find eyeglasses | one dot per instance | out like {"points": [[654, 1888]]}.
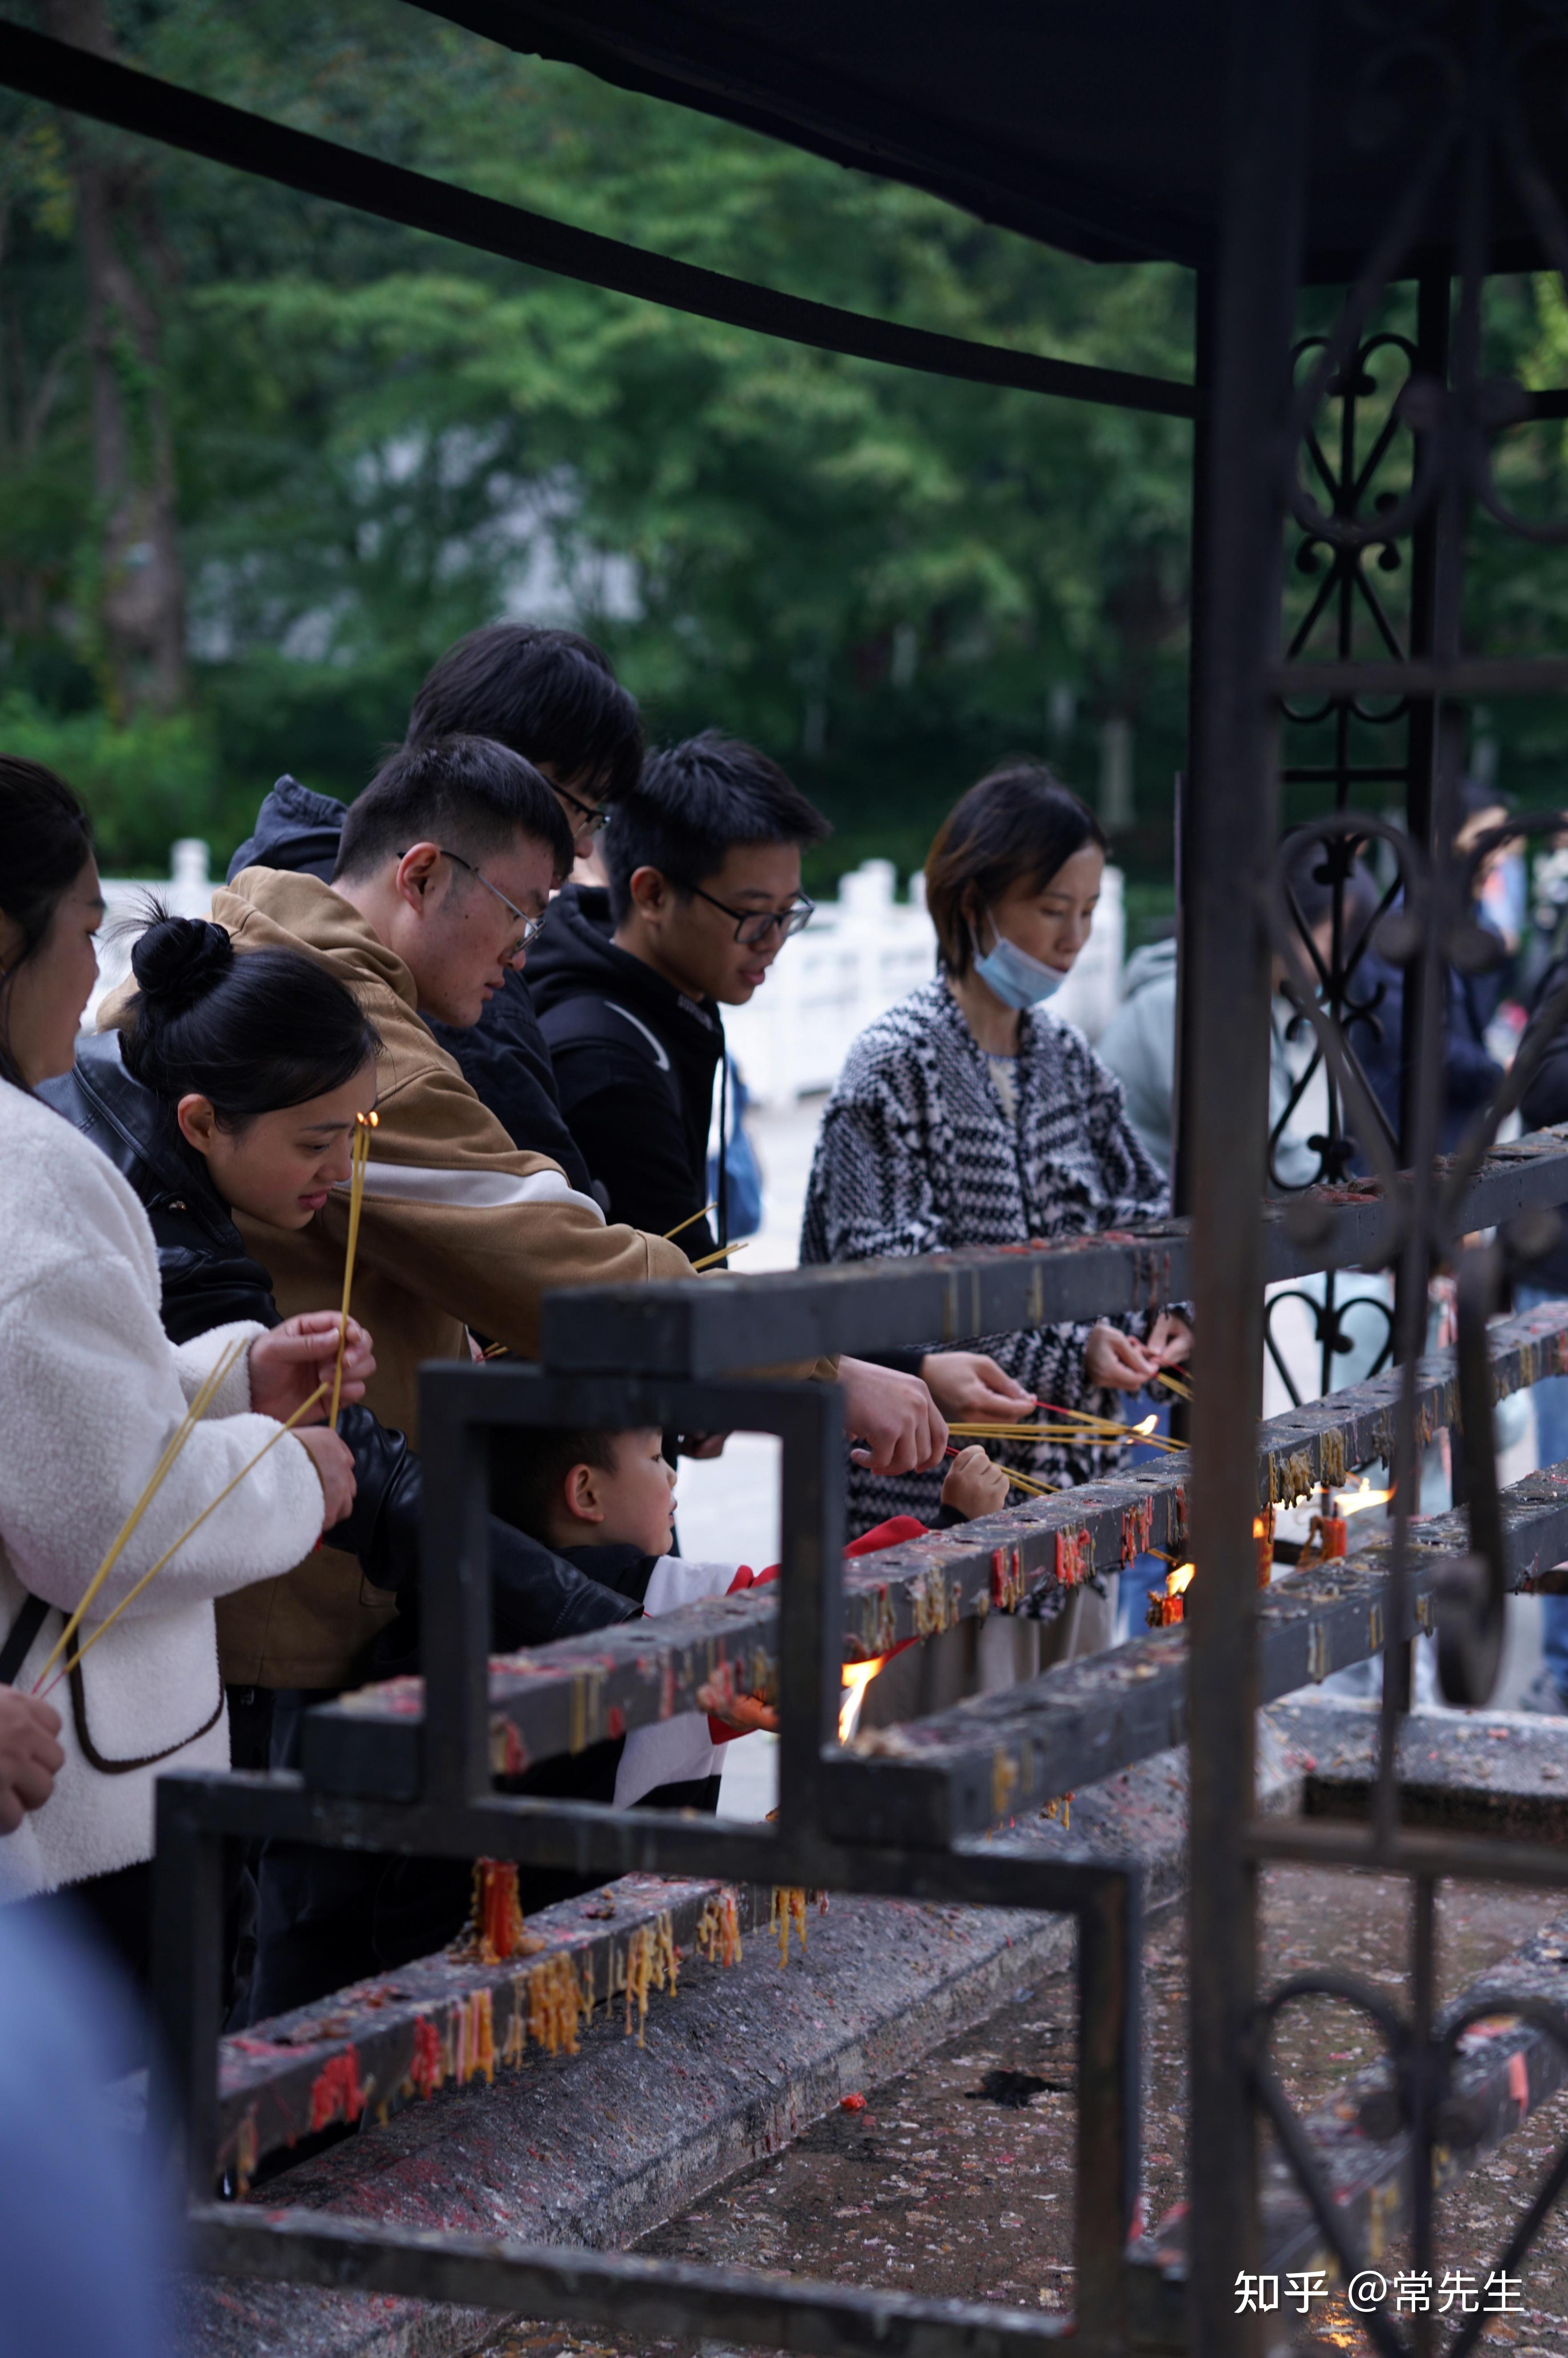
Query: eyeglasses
{"points": [[594, 820], [530, 925], [752, 926]]}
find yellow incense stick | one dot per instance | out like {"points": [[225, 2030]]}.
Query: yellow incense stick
{"points": [[690, 1221], [189, 1532], [178, 1439], [358, 1156], [1177, 1384], [723, 1253]]}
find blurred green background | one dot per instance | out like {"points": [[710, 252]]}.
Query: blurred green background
{"points": [[262, 459]]}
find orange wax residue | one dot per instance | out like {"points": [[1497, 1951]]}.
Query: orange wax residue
{"points": [[429, 2067], [247, 2151], [1075, 1557], [555, 2006], [652, 1960], [474, 2037], [719, 1931], [788, 1910], [1137, 1530], [1165, 1611], [1264, 1538], [1062, 1808], [1007, 1580], [335, 2093], [495, 1929]]}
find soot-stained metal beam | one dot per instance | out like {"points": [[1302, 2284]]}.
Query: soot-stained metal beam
{"points": [[722, 1324], [938, 1780]]}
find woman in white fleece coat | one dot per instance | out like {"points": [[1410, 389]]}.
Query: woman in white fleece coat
{"points": [[91, 1391]]}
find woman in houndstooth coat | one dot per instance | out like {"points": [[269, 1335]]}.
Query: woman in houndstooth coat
{"points": [[968, 1114]]}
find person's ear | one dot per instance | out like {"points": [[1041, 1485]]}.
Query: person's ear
{"points": [[197, 1122], [415, 874], [651, 893], [581, 1495]]}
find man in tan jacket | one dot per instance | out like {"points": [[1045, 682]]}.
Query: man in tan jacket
{"points": [[446, 866]]}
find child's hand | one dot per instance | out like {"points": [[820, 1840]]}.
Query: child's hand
{"points": [[747, 1714], [974, 1486]]}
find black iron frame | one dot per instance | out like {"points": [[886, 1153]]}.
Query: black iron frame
{"points": [[1248, 409]]}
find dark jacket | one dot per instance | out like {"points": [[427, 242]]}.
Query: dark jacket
{"points": [[1546, 1100], [634, 1061], [1469, 1071], [209, 1279], [503, 1058]]}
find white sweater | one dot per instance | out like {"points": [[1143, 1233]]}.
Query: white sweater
{"points": [[90, 1390]]}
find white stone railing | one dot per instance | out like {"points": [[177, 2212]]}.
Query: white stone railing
{"points": [[185, 892]]}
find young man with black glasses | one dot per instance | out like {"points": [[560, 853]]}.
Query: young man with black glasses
{"points": [[704, 868]]}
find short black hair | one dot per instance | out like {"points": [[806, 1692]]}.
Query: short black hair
{"points": [[468, 794], [1018, 825], [552, 695], [528, 1468], [252, 1031], [693, 801]]}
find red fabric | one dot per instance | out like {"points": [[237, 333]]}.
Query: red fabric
{"points": [[893, 1533]]}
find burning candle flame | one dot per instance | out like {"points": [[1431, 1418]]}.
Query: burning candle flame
{"points": [[1352, 1502], [1178, 1578], [857, 1677], [1147, 1426]]}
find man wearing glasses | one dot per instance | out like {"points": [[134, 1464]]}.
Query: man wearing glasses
{"points": [[551, 696], [703, 863]]}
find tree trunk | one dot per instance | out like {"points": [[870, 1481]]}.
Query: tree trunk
{"points": [[141, 612]]}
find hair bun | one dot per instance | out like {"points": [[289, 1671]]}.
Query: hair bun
{"points": [[178, 960]]}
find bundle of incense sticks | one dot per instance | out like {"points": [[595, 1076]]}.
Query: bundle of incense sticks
{"points": [[690, 1221], [1177, 1384], [358, 1157], [708, 1260], [152, 1570], [1100, 1431], [182, 1432]]}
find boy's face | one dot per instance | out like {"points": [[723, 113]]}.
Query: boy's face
{"points": [[630, 1504], [694, 940]]}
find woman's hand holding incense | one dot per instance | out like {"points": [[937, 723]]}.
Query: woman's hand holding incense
{"points": [[334, 1464], [1119, 1361], [974, 1486], [30, 1760], [288, 1365], [1171, 1339], [970, 1389]]}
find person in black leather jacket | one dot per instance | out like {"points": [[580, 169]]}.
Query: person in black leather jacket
{"points": [[326, 1918]]}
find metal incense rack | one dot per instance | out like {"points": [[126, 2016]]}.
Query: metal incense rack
{"points": [[410, 1766]]}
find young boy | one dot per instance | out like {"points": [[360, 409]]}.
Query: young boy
{"points": [[606, 1501]]}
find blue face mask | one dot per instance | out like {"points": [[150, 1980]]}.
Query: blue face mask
{"points": [[1018, 979]]}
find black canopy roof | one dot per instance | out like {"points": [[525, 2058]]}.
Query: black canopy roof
{"points": [[1093, 124]]}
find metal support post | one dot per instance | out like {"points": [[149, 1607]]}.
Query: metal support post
{"points": [[1232, 837], [187, 1961], [454, 1593]]}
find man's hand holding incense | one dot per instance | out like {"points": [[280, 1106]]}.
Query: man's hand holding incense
{"points": [[970, 1389], [30, 1758], [894, 1416], [290, 1363]]}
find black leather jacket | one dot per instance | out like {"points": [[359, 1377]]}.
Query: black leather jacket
{"points": [[209, 1279]]}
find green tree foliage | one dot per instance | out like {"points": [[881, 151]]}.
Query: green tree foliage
{"points": [[381, 439]]}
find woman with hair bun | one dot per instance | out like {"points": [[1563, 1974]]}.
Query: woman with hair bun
{"points": [[970, 1114], [234, 1087], [90, 1392]]}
